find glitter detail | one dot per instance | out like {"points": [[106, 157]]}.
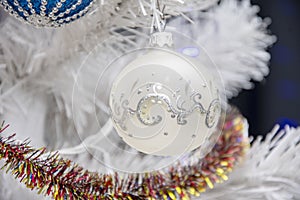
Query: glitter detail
{"points": [[153, 98], [213, 113], [38, 20], [49, 13]]}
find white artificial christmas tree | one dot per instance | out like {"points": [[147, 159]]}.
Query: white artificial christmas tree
{"points": [[48, 77]]}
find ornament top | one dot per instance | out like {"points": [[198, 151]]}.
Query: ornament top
{"points": [[161, 39]]}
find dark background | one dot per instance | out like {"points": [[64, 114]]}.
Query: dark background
{"points": [[277, 98]]}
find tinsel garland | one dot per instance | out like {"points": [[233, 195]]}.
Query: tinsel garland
{"points": [[62, 179]]}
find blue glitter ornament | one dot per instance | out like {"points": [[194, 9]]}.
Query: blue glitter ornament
{"points": [[50, 13]]}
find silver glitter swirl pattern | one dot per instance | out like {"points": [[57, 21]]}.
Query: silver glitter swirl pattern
{"points": [[213, 112], [146, 103]]}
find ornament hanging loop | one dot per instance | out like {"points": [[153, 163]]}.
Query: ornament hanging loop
{"points": [[158, 20], [159, 38]]}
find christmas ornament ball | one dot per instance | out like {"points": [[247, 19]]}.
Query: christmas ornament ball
{"points": [[49, 13], [164, 103]]}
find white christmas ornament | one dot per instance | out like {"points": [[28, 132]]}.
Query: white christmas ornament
{"points": [[164, 103]]}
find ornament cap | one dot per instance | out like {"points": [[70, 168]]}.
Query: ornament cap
{"points": [[161, 39]]}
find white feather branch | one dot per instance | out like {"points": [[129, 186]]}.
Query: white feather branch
{"points": [[270, 171], [236, 39], [45, 62]]}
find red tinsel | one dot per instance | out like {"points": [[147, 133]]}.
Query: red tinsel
{"points": [[63, 179]]}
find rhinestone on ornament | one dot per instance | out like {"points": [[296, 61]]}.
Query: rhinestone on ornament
{"points": [[47, 13]]}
